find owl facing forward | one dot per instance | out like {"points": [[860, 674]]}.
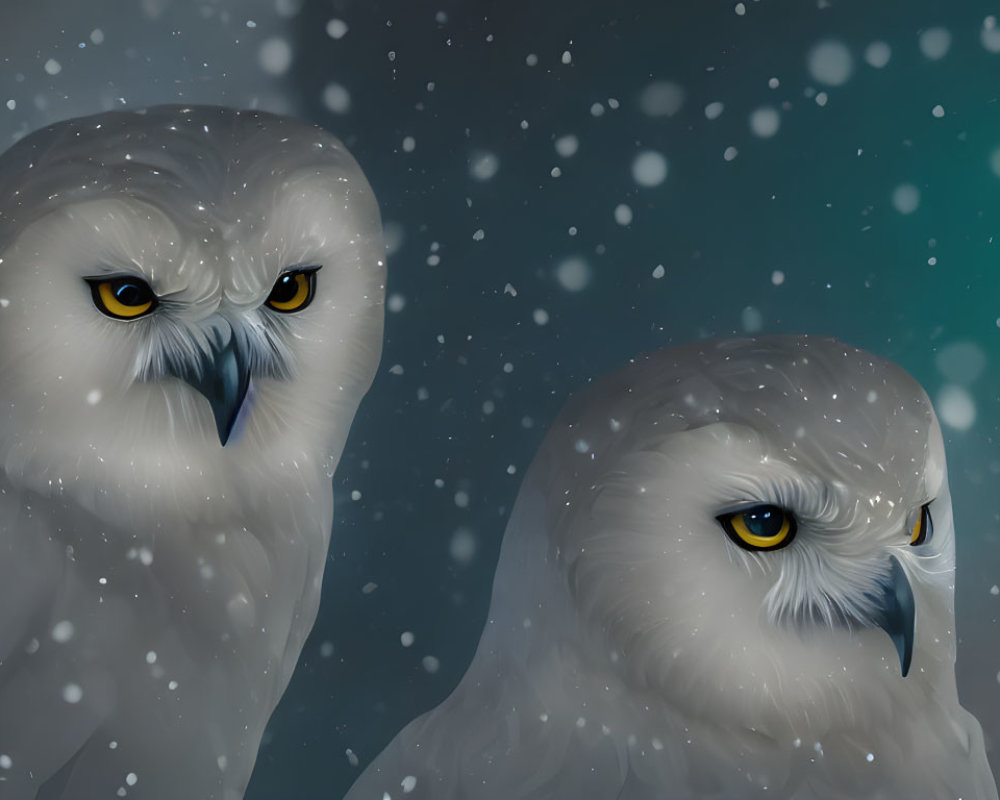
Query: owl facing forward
{"points": [[729, 574], [190, 313]]}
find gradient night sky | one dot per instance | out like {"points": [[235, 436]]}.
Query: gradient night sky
{"points": [[803, 231]]}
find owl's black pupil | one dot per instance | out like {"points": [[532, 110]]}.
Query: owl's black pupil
{"points": [[285, 289], [131, 294], [764, 521]]}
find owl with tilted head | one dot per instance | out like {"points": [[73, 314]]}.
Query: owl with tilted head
{"points": [[729, 574], [191, 306]]}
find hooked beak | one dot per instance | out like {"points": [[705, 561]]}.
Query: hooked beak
{"points": [[898, 613], [222, 375]]}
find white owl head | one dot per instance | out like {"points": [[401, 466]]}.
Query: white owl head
{"points": [[181, 287], [754, 530]]}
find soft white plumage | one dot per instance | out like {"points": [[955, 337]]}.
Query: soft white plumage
{"points": [[165, 492], [635, 650]]}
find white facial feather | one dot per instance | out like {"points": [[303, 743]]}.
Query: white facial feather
{"points": [[635, 650], [182, 575]]}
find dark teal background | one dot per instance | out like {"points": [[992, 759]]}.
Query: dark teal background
{"points": [[804, 202], [814, 201]]}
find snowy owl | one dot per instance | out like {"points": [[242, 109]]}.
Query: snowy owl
{"points": [[191, 306], [729, 574]]}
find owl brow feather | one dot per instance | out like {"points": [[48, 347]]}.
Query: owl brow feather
{"points": [[172, 343], [817, 583]]}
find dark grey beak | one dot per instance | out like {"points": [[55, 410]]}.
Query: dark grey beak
{"points": [[898, 613], [222, 375]]}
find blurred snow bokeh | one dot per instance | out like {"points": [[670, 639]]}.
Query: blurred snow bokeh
{"points": [[589, 182], [563, 186], [65, 59]]}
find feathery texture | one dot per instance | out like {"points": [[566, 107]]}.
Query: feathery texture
{"points": [[635, 651], [165, 492]]}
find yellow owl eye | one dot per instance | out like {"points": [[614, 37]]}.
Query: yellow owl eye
{"points": [[762, 527], [923, 529], [293, 290], [125, 297]]}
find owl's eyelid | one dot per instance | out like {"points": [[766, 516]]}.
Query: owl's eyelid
{"points": [[169, 299], [116, 275], [740, 506], [299, 269], [918, 510]]}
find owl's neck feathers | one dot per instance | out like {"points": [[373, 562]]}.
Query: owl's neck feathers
{"points": [[545, 712], [545, 699]]}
